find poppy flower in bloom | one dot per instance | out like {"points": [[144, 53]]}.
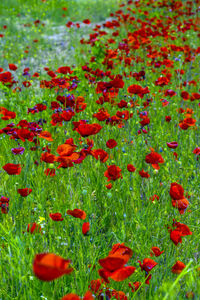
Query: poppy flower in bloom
{"points": [[138, 90], [34, 228], [86, 21], [178, 231], [113, 264], [4, 204], [113, 173], [86, 129], [172, 145], [147, 265], [131, 168], [168, 118], [175, 236], [181, 205], [95, 285], [56, 216], [178, 267], [46, 135], [144, 174], [109, 186], [111, 144], [178, 199], [197, 152], [64, 70], [12, 169], [85, 228], [77, 213], [12, 67], [19, 150], [24, 192], [119, 295], [154, 158], [156, 251], [176, 191], [49, 266], [101, 115], [186, 123], [48, 157], [100, 154], [183, 228]]}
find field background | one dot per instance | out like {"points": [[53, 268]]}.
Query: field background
{"points": [[123, 214]]}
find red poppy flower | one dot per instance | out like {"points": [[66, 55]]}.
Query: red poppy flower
{"points": [[66, 149], [186, 123], [6, 77], [156, 251], [172, 145], [113, 264], [154, 158], [34, 228], [113, 173], [12, 67], [101, 115], [12, 169], [148, 264], [178, 267], [122, 273], [77, 213], [111, 144], [49, 266], [48, 157], [181, 204], [122, 250], [24, 192], [86, 21], [87, 129], [138, 90], [109, 186], [56, 216], [100, 154], [144, 174], [196, 151], [64, 70], [4, 204], [183, 228], [46, 135], [185, 95], [131, 168], [85, 228], [168, 118], [95, 285], [176, 191], [175, 236], [119, 295]]}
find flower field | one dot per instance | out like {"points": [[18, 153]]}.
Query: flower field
{"points": [[100, 146]]}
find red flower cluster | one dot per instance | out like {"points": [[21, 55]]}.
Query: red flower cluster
{"points": [[178, 199]]}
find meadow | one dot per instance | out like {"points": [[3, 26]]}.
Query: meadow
{"points": [[99, 139]]}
